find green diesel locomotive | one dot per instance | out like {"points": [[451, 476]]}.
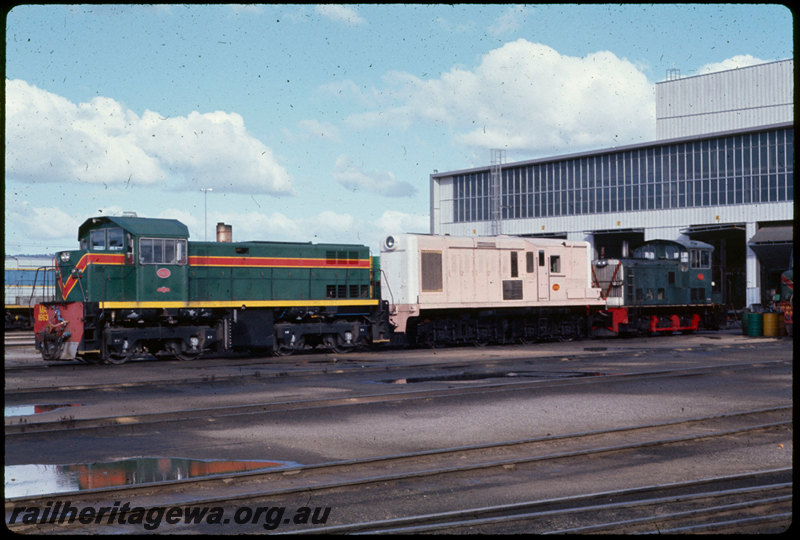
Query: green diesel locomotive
{"points": [[139, 286], [664, 286]]}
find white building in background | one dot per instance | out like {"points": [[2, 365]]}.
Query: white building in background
{"points": [[730, 100], [721, 171]]}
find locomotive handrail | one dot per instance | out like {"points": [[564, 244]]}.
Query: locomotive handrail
{"points": [[388, 287], [596, 281], [78, 276], [44, 270]]}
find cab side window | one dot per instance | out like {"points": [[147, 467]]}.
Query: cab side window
{"points": [[555, 264], [162, 251]]}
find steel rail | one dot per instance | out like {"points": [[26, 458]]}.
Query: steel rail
{"points": [[391, 526], [695, 513]]}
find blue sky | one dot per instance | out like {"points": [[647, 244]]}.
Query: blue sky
{"points": [[323, 123]]}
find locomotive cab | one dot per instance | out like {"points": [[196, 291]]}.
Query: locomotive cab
{"points": [[127, 271], [134, 260]]}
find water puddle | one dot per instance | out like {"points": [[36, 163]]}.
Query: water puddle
{"points": [[27, 480], [27, 410], [462, 377]]}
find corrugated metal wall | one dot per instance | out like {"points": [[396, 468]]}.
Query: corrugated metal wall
{"points": [[727, 100], [670, 220]]}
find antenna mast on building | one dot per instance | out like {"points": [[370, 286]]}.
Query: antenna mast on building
{"points": [[496, 190]]}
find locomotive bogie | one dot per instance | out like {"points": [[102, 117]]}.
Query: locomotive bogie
{"points": [[502, 326]]}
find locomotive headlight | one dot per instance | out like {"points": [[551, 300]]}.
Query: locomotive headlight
{"points": [[389, 243], [64, 256]]}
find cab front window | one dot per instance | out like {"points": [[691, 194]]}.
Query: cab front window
{"points": [[97, 240], [115, 239], [106, 239]]}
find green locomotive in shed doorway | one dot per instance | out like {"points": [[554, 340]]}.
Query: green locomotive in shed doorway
{"points": [[664, 286]]}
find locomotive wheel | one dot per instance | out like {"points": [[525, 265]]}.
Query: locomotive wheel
{"points": [[337, 345], [185, 356], [175, 348], [117, 357], [288, 350]]}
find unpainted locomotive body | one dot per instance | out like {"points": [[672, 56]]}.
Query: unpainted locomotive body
{"points": [[444, 289]]}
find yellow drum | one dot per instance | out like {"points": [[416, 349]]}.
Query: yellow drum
{"points": [[772, 326]]}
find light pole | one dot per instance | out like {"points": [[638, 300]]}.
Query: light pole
{"points": [[205, 191]]}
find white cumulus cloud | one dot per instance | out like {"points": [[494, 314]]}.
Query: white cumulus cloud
{"points": [[340, 13], [509, 21], [393, 222], [526, 96], [351, 176], [51, 139], [735, 62]]}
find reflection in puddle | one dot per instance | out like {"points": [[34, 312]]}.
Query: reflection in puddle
{"points": [[25, 410], [26, 480]]}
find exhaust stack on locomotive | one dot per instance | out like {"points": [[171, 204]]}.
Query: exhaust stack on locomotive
{"points": [[224, 233]]}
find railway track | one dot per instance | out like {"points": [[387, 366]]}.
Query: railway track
{"points": [[453, 396], [320, 359], [452, 470], [75, 376], [18, 339], [719, 505], [483, 382]]}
